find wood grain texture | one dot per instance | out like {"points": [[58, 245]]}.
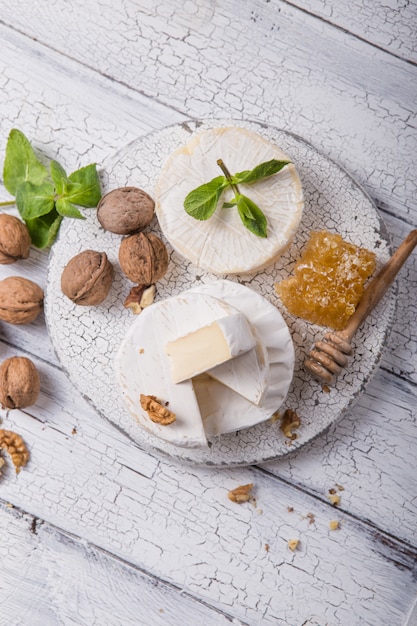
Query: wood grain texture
{"points": [[353, 101], [169, 519], [389, 25], [38, 589]]}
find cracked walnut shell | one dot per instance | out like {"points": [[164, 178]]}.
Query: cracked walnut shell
{"points": [[143, 258], [21, 300], [19, 383], [87, 278], [15, 446], [126, 210], [14, 239]]}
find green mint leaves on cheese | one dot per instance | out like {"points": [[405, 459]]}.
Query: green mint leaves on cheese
{"points": [[44, 196], [203, 201]]}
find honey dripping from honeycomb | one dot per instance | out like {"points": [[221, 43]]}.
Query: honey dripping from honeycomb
{"points": [[328, 280]]}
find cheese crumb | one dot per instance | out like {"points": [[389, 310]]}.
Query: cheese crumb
{"points": [[334, 499], [333, 524], [293, 544]]}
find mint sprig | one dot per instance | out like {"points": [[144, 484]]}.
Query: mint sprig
{"points": [[44, 196], [203, 201]]}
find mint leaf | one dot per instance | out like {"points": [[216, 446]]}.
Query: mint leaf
{"points": [[59, 177], [21, 164], [259, 172], [68, 209], [35, 200], [87, 191], [251, 216], [43, 229], [229, 205], [202, 202]]}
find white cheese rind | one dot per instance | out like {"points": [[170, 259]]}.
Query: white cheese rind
{"points": [[223, 410], [204, 406], [222, 244], [247, 374], [209, 346], [142, 366]]}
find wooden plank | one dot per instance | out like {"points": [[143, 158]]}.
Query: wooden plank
{"points": [[169, 519], [90, 131], [388, 25], [49, 577], [354, 102], [375, 441], [236, 559]]}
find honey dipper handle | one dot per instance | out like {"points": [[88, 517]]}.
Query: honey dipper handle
{"points": [[379, 285]]}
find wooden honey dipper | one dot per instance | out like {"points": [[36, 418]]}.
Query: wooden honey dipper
{"points": [[328, 357]]}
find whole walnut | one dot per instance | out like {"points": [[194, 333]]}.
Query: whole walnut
{"points": [[125, 210], [87, 278], [21, 300], [14, 239], [19, 383], [143, 258]]}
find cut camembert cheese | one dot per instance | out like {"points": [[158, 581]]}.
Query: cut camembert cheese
{"points": [[222, 244], [209, 346], [239, 393]]}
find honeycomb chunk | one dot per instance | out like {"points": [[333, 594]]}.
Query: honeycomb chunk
{"points": [[328, 280]]}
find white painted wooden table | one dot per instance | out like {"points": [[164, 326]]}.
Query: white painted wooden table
{"points": [[95, 530]]}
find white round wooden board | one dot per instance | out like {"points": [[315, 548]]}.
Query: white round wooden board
{"points": [[87, 339]]}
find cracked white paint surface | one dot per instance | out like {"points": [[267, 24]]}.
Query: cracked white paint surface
{"points": [[82, 92], [87, 339], [390, 24], [297, 72]]}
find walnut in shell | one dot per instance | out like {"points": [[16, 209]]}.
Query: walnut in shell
{"points": [[19, 383], [14, 239], [126, 210], [21, 300], [15, 446], [143, 258], [87, 278]]}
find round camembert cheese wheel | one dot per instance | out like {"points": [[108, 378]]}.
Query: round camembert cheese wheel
{"points": [[222, 244], [238, 393]]}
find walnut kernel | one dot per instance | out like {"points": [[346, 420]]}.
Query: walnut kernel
{"points": [[143, 258], [289, 422], [14, 239], [126, 210], [19, 383], [140, 297], [21, 300], [87, 278], [156, 412], [15, 446], [241, 494]]}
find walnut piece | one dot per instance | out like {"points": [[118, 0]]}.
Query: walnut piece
{"points": [[143, 258], [140, 297], [21, 300], [126, 210], [241, 494], [15, 446], [156, 412], [334, 499], [293, 544], [19, 383], [14, 239], [87, 278], [289, 422]]}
